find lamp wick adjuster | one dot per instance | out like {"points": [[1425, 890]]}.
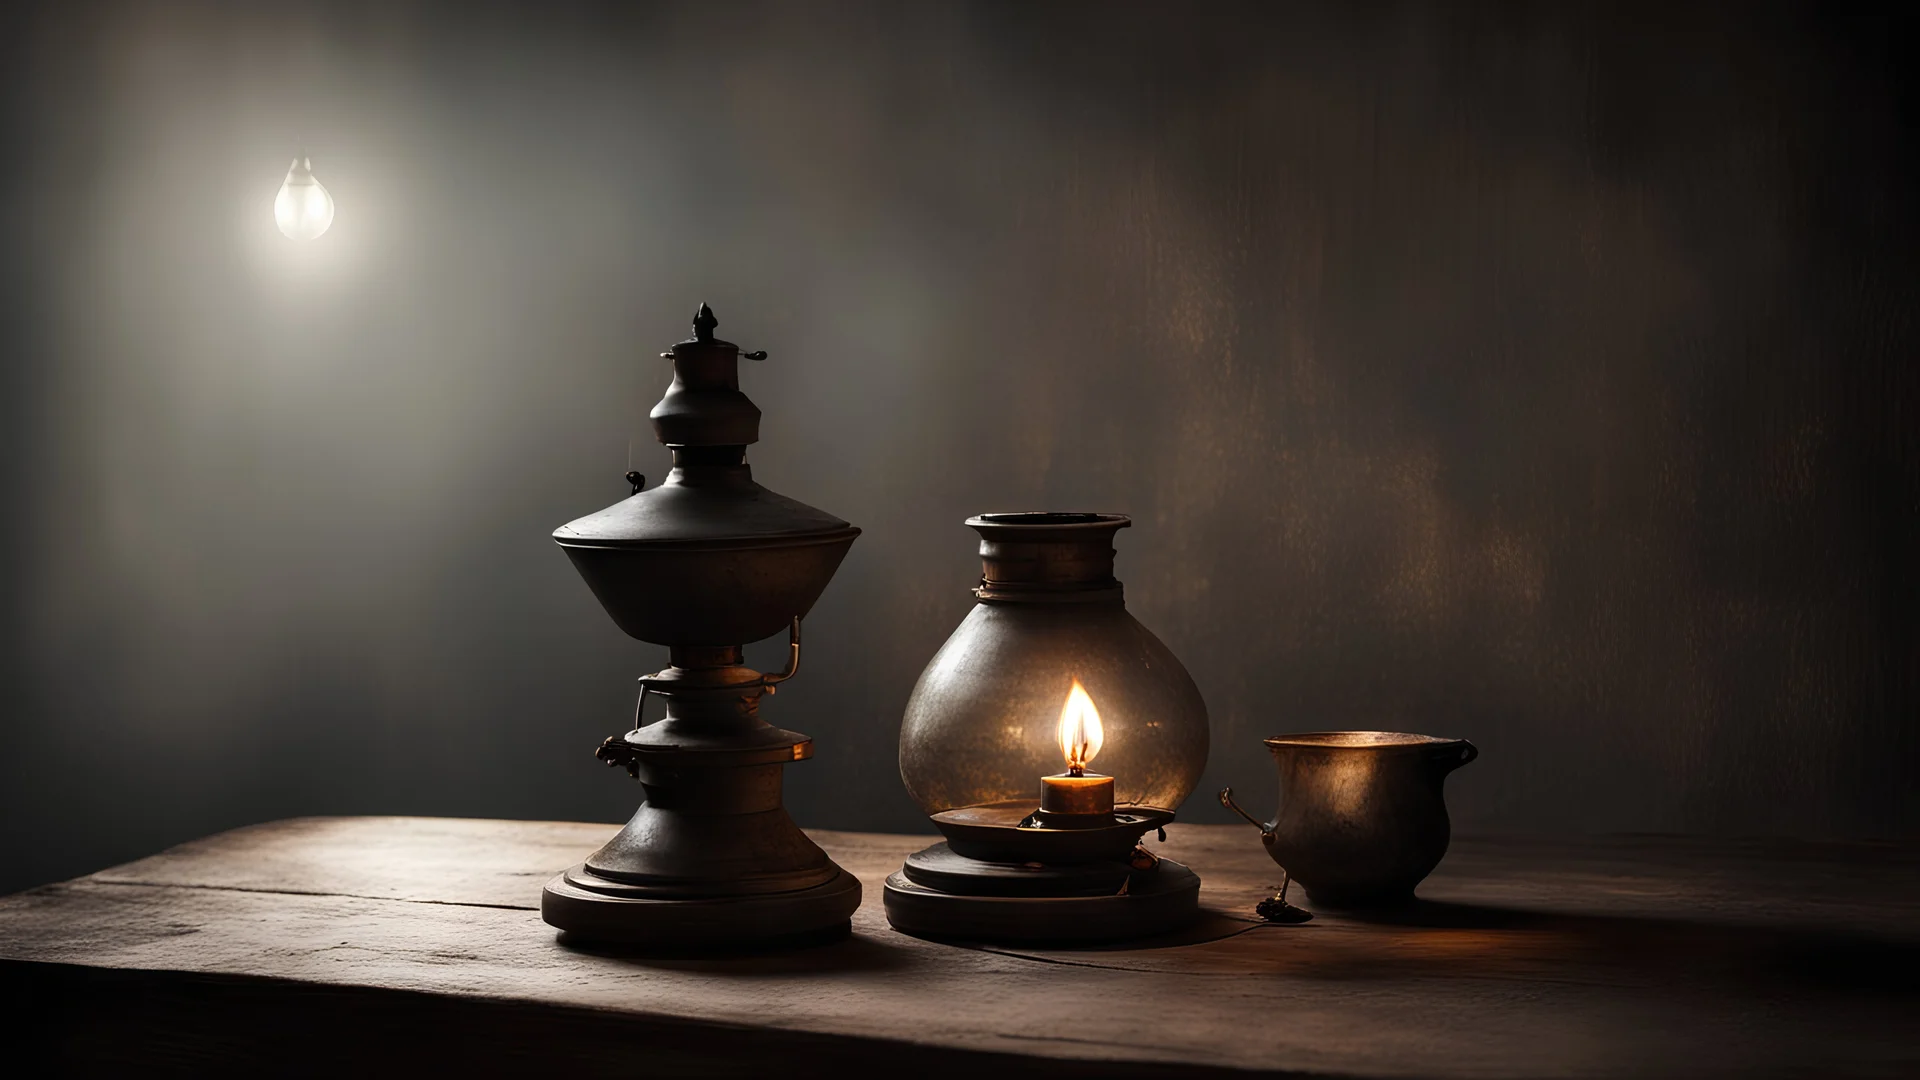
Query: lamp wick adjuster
{"points": [[616, 751]]}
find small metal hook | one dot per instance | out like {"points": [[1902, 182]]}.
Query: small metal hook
{"points": [[640, 707], [1226, 800], [793, 659]]}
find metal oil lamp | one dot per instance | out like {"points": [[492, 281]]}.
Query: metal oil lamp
{"points": [[703, 563], [1046, 737]]}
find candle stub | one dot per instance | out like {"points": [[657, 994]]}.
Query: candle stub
{"points": [[1070, 794]]}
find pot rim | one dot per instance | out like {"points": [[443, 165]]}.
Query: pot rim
{"points": [[1359, 740], [1035, 520]]}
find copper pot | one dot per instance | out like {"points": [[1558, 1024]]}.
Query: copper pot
{"points": [[1362, 818]]}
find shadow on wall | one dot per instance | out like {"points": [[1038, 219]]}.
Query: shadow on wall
{"points": [[1539, 377]]}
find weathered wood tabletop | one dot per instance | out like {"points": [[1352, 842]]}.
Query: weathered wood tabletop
{"points": [[320, 944]]}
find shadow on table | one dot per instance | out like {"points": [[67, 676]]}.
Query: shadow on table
{"points": [[836, 950], [1806, 954], [1209, 927]]}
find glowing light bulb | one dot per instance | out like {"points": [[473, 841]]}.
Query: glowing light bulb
{"points": [[303, 209]]}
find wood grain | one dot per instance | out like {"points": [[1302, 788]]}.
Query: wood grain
{"points": [[1639, 956]]}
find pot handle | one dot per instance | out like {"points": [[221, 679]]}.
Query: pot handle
{"points": [[1266, 828], [1452, 757]]}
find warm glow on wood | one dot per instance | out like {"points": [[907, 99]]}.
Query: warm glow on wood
{"points": [[1080, 732]]}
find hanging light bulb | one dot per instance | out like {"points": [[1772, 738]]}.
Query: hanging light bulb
{"points": [[303, 209]]}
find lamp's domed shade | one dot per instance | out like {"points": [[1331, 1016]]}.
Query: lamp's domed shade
{"points": [[983, 724]]}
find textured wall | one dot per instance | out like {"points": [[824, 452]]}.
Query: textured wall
{"points": [[1542, 375]]}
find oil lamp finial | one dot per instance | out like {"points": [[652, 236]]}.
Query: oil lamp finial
{"points": [[703, 324]]}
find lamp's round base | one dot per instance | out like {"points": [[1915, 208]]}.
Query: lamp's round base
{"points": [[941, 869], [1157, 901], [717, 924]]}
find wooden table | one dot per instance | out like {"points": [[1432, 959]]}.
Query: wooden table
{"points": [[331, 945]]}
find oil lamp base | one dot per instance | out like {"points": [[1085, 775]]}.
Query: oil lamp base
{"points": [[574, 902], [946, 896]]}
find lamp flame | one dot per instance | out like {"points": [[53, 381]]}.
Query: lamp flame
{"points": [[1080, 732]]}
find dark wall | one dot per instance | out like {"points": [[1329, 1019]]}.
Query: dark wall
{"points": [[1539, 374]]}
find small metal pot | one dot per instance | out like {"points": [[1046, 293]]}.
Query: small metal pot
{"points": [[1362, 818]]}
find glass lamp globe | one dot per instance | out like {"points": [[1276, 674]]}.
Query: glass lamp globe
{"points": [[303, 209], [1048, 668]]}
